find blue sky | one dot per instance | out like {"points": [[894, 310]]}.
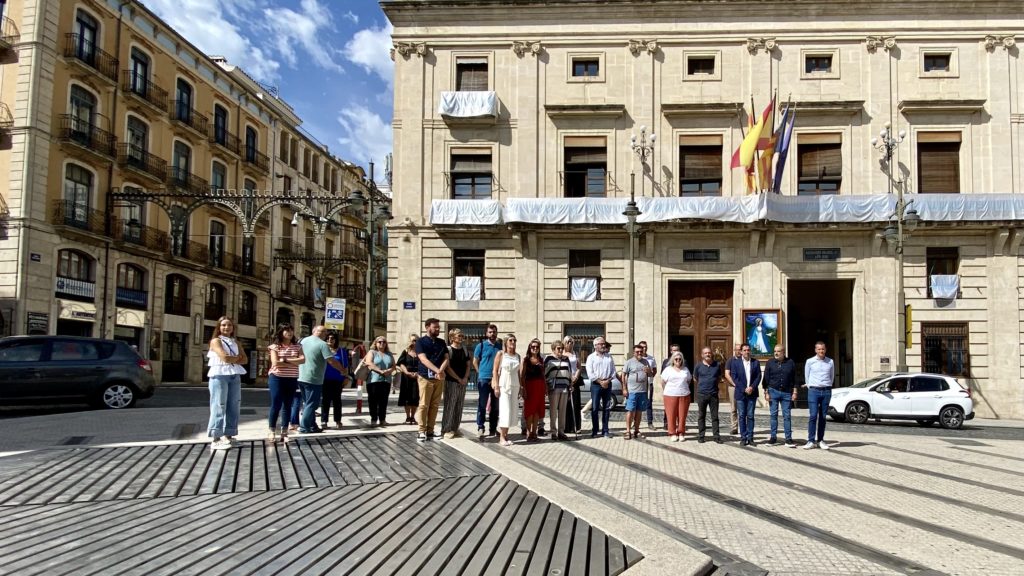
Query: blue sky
{"points": [[329, 58]]}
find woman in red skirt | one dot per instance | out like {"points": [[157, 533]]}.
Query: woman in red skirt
{"points": [[535, 389]]}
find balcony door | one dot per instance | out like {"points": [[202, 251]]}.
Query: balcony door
{"points": [[83, 112], [184, 97], [77, 194], [220, 124], [217, 244], [140, 72], [138, 141], [88, 33]]}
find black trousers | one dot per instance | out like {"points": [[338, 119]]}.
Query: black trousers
{"points": [[331, 397], [707, 403], [378, 393], [574, 421]]}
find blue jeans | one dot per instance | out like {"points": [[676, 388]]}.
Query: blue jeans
{"points": [[225, 404], [282, 391], [311, 394], [296, 404], [745, 412], [482, 416], [777, 397], [604, 396], [650, 404], [817, 405]]}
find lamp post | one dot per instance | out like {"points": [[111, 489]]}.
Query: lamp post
{"points": [[372, 218], [901, 223], [643, 148]]}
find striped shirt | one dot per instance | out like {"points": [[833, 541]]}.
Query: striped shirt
{"points": [[557, 372], [282, 370]]}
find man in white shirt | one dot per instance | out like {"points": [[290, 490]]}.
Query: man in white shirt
{"points": [[600, 371]]}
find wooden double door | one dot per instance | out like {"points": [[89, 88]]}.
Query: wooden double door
{"points": [[699, 315]]}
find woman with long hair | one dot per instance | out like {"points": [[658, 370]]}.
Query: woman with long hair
{"points": [[227, 361], [455, 384], [534, 389], [334, 382], [409, 389], [507, 391], [675, 382], [382, 368], [282, 379]]}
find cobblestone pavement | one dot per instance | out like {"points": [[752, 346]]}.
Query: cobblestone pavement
{"points": [[873, 504]]}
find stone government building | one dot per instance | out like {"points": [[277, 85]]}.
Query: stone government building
{"points": [[513, 164], [101, 97]]}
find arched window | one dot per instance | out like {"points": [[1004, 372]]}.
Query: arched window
{"points": [[247, 308], [220, 125], [251, 140], [218, 176], [215, 301], [82, 114], [138, 141], [74, 265], [183, 102], [87, 35], [182, 162], [216, 244], [131, 286], [139, 73], [176, 295], [77, 195], [249, 190]]}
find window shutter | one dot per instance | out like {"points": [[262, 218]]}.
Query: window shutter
{"points": [[471, 163], [820, 161], [938, 167], [585, 155], [471, 77], [584, 263], [701, 162]]}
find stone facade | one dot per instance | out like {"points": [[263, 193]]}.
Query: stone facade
{"points": [[589, 74], [104, 99]]}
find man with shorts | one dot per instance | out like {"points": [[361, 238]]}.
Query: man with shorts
{"points": [[634, 376]]}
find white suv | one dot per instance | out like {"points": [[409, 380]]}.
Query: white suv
{"points": [[912, 396]]}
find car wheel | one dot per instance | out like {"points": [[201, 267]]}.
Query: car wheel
{"points": [[117, 396], [857, 413], [951, 417], [926, 422]]}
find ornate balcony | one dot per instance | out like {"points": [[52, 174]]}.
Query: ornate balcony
{"points": [[83, 133], [81, 50], [354, 293], [9, 35], [131, 298], [256, 158], [226, 140], [183, 114], [80, 216], [183, 181], [178, 306], [192, 251], [135, 158], [140, 235], [144, 89], [6, 119], [75, 289]]}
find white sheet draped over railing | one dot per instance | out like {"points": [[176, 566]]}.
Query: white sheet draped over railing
{"points": [[740, 209]]}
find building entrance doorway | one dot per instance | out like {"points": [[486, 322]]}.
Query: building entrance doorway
{"points": [[821, 310], [700, 314]]}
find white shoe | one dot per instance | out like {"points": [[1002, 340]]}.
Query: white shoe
{"points": [[809, 446], [822, 445], [675, 438], [220, 444]]}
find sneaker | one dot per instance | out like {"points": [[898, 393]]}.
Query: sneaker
{"points": [[422, 437], [324, 426], [232, 440], [373, 423], [718, 440], [822, 445], [563, 437], [751, 443], [608, 435], [790, 443], [809, 446], [480, 433], [449, 435], [220, 444]]}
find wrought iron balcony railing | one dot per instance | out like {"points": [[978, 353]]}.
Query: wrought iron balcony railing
{"points": [[256, 158], [184, 181], [131, 298], [352, 292], [247, 317], [144, 88], [178, 306], [85, 51], [182, 113], [75, 289], [9, 35], [84, 133], [225, 139], [140, 235], [77, 215], [132, 156], [214, 310]]}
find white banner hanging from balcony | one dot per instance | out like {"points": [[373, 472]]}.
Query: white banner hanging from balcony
{"points": [[945, 286], [583, 289], [465, 212], [468, 104], [467, 288]]}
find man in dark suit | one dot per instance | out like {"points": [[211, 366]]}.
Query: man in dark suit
{"points": [[744, 373]]}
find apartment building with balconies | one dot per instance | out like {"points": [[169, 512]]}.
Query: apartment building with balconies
{"points": [[515, 162]]}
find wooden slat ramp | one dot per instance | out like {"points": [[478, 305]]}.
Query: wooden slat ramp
{"points": [[379, 504]]}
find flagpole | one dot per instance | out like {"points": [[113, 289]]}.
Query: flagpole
{"points": [[757, 155], [782, 130]]}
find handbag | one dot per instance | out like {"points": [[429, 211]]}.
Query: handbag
{"points": [[362, 371]]}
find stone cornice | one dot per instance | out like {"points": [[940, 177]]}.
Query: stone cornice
{"points": [[701, 109], [943, 106], [830, 107], [585, 110]]}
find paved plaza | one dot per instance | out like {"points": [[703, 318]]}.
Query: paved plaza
{"points": [[134, 492]]}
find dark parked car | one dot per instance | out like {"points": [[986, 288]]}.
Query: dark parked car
{"points": [[49, 369]]}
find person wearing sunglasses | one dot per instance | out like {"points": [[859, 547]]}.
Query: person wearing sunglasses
{"points": [[507, 368], [534, 389], [601, 371]]}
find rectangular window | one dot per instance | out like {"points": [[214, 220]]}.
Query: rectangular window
{"points": [[583, 335], [468, 275], [585, 275], [700, 166], [941, 260], [471, 74], [586, 67], [471, 176], [944, 348], [818, 64], [938, 166], [702, 255], [472, 334], [819, 167], [700, 65], [938, 62], [585, 168]]}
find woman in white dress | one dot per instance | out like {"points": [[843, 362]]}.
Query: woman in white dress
{"points": [[507, 368]]}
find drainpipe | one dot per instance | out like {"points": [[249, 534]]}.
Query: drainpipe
{"points": [[110, 180]]}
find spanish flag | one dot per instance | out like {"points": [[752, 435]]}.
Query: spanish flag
{"points": [[744, 155]]}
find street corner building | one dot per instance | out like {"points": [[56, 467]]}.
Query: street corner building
{"points": [[147, 188], [773, 172]]}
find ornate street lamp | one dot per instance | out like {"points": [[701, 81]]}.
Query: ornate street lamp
{"points": [[643, 148], [901, 223]]}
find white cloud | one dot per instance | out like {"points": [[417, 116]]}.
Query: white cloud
{"points": [[290, 29], [366, 135], [371, 49], [205, 24], [351, 16]]}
